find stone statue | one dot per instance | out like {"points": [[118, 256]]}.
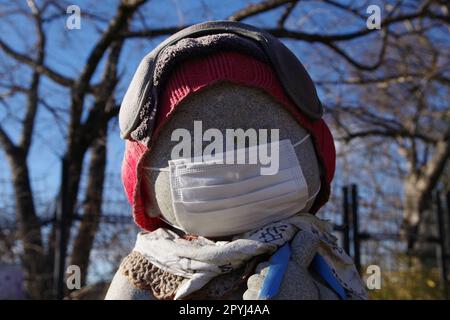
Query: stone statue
{"points": [[227, 161]]}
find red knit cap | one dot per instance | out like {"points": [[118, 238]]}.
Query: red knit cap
{"points": [[196, 74]]}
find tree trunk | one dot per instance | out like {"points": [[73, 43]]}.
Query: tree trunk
{"points": [[419, 185], [419, 219], [36, 279], [92, 206]]}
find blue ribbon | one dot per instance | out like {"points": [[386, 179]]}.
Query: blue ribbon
{"points": [[277, 267], [322, 268]]}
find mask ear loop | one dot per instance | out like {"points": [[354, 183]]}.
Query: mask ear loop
{"points": [[297, 144], [156, 169], [160, 216], [301, 141], [170, 224], [315, 194]]}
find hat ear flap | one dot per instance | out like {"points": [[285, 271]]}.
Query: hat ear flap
{"points": [[137, 192]]}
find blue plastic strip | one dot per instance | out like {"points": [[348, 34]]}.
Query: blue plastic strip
{"points": [[322, 268], [277, 267]]}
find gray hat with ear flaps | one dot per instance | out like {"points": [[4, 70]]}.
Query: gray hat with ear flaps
{"points": [[140, 101]]}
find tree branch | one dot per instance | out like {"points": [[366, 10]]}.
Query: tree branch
{"points": [[255, 9], [357, 64], [398, 78], [150, 33], [125, 10], [282, 32], [287, 12], [33, 92], [317, 37], [7, 143], [385, 133], [434, 168], [100, 112], [47, 71]]}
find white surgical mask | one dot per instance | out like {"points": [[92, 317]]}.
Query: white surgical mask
{"points": [[215, 199]]}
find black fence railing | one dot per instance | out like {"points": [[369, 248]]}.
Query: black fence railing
{"points": [[353, 238]]}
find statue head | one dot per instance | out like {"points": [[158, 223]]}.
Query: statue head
{"points": [[224, 91]]}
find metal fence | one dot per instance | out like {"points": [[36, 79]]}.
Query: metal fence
{"points": [[353, 239]]}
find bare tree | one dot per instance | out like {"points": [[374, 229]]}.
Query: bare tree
{"points": [[81, 135], [30, 231], [403, 105]]}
